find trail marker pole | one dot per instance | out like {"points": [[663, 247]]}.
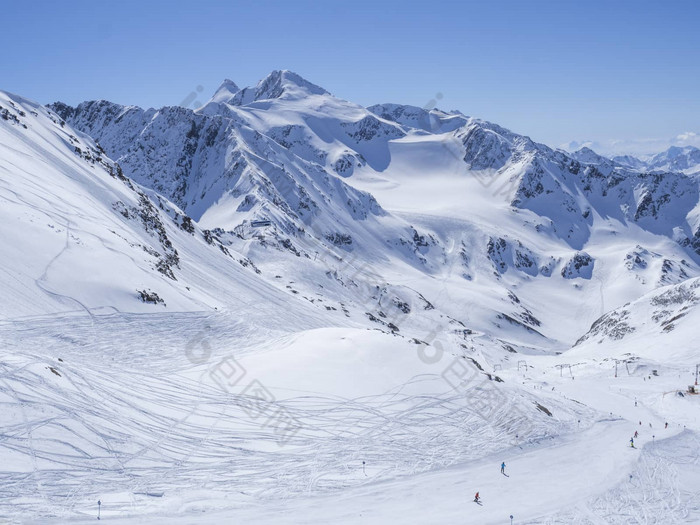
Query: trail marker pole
{"points": [[363, 468], [99, 507], [511, 519]]}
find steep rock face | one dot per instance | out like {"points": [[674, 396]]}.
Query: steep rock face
{"points": [[491, 147], [568, 191], [651, 266], [656, 202], [182, 153], [580, 265], [507, 254], [167, 150], [614, 325]]}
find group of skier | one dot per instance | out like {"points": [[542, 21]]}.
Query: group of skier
{"points": [[477, 499], [636, 434]]}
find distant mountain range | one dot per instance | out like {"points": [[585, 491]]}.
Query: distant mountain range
{"points": [[684, 159]]}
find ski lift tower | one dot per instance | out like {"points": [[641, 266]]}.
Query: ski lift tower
{"points": [[696, 374], [561, 369], [524, 363]]}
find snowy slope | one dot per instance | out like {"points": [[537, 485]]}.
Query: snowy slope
{"points": [[79, 235], [660, 325]]}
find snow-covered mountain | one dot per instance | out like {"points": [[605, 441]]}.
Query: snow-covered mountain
{"points": [[662, 321], [684, 159], [243, 312], [629, 161], [287, 129], [79, 235], [334, 177]]}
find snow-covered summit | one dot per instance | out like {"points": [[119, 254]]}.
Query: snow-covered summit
{"points": [[225, 93], [630, 161], [430, 120], [685, 159], [278, 84], [588, 156]]}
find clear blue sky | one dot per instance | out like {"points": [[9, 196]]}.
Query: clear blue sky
{"points": [[557, 71]]}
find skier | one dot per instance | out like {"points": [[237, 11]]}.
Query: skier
{"points": [[666, 425], [632, 442], [636, 434], [503, 467], [635, 402], [476, 498]]}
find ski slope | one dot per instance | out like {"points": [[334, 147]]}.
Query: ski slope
{"points": [[138, 417]]}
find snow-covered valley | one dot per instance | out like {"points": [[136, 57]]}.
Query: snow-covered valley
{"points": [[284, 307]]}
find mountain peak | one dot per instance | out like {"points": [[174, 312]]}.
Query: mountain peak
{"points": [[278, 84], [226, 91], [673, 151], [285, 82]]}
